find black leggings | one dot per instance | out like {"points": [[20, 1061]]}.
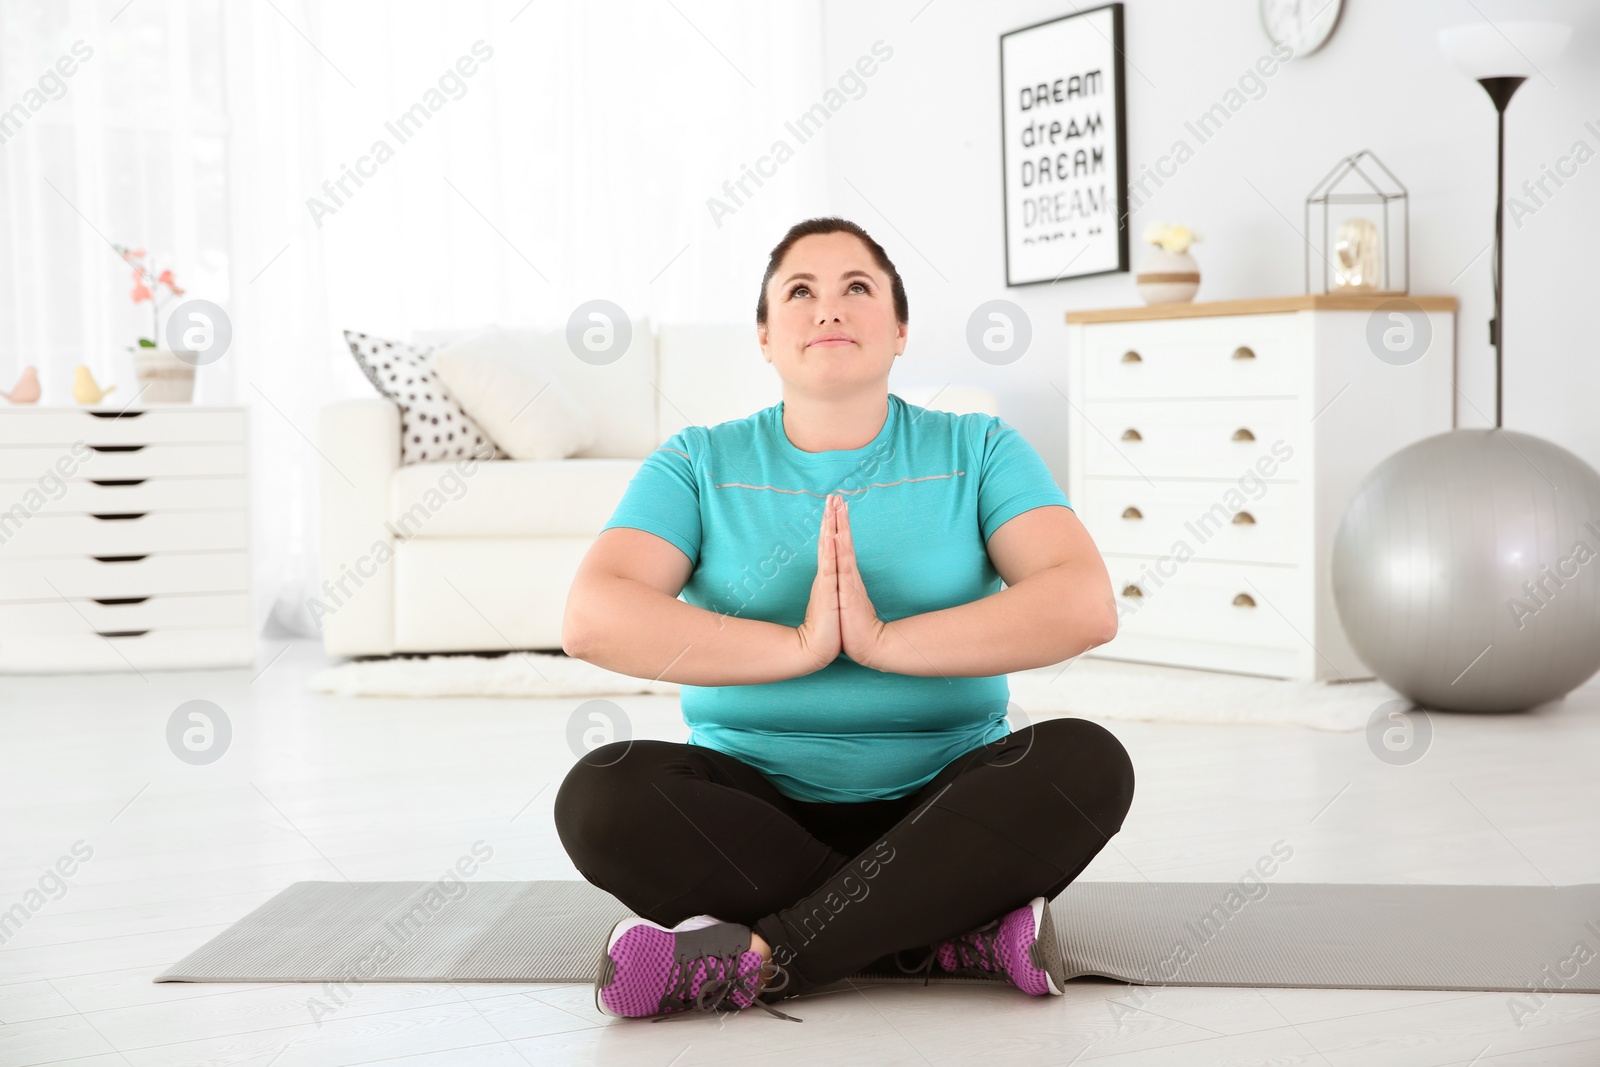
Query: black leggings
{"points": [[673, 830]]}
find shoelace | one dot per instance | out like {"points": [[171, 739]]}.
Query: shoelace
{"points": [[721, 988], [925, 968], [975, 955]]}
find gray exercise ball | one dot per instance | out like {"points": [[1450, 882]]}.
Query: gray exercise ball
{"points": [[1466, 571]]}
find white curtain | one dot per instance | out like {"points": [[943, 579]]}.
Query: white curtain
{"points": [[113, 130], [553, 154]]}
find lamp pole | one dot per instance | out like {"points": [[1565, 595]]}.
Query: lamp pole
{"points": [[1500, 91]]}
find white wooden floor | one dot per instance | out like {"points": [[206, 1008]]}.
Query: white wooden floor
{"points": [[326, 788]]}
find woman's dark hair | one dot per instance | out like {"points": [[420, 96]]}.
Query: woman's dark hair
{"points": [[832, 224]]}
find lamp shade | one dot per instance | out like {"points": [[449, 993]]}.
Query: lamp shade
{"points": [[1504, 49]]}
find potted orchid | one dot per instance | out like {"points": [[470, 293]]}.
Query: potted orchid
{"points": [[163, 375], [1169, 274]]}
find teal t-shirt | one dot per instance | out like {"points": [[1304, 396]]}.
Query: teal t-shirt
{"points": [[745, 505]]}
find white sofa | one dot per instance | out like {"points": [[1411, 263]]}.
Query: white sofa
{"points": [[424, 558]]}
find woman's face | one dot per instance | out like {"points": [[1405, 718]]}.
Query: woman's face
{"points": [[828, 285]]}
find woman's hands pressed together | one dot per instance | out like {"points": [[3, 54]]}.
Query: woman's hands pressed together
{"points": [[840, 616]]}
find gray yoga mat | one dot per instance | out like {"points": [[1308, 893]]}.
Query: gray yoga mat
{"points": [[1473, 937]]}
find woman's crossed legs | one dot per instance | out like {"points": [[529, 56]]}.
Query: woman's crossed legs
{"points": [[674, 830]]}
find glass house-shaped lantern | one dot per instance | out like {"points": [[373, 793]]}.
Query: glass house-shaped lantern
{"points": [[1354, 212]]}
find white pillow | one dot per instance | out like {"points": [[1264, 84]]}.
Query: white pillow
{"points": [[510, 393], [434, 426]]}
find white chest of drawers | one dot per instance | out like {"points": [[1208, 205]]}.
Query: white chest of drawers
{"points": [[1213, 449], [124, 539]]}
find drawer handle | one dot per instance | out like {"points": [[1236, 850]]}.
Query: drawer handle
{"points": [[1244, 518], [1130, 356], [116, 414], [118, 481], [1244, 600], [1132, 590], [119, 559], [1242, 434], [120, 599], [118, 516], [1244, 352], [1132, 513], [122, 633], [1130, 434], [116, 448]]}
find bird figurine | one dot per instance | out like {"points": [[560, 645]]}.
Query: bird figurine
{"points": [[84, 388], [26, 391]]}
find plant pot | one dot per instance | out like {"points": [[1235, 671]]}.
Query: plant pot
{"points": [[1167, 277], [163, 377]]}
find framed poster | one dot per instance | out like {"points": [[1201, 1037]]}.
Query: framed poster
{"points": [[1063, 147]]}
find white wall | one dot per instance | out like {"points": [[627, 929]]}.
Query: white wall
{"points": [[917, 163]]}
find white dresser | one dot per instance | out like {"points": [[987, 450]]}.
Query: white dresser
{"points": [[124, 538], [1213, 449]]}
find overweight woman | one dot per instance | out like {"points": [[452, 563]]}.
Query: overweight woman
{"points": [[850, 792]]}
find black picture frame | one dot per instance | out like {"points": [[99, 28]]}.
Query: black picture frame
{"points": [[1118, 138]]}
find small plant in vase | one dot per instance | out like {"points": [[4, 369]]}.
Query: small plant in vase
{"points": [[162, 374], [1169, 274]]}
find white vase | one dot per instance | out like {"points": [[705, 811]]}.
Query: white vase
{"points": [[163, 377], [1167, 277]]}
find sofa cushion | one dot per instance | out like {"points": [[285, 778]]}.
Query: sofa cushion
{"points": [[956, 399], [711, 373], [433, 426], [508, 389], [620, 394], [508, 498]]}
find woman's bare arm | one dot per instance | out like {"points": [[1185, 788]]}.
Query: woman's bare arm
{"points": [[623, 614], [1057, 604]]}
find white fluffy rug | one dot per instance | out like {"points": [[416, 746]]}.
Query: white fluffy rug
{"points": [[1089, 687]]}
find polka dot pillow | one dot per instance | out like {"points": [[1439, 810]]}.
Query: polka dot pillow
{"points": [[433, 427]]}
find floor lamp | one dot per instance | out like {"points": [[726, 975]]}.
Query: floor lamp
{"points": [[1449, 562], [1501, 56]]}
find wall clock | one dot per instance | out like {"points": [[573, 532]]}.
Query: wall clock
{"points": [[1303, 25]]}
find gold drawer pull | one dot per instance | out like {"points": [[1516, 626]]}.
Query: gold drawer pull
{"points": [[1130, 434], [1244, 352], [1244, 600], [1132, 590], [1132, 513], [1130, 356], [1242, 434], [1244, 518]]}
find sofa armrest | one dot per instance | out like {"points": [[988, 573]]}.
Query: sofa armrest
{"points": [[360, 445]]}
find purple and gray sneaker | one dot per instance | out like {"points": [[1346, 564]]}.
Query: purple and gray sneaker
{"points": [[702, 964], [1020, 947]]}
